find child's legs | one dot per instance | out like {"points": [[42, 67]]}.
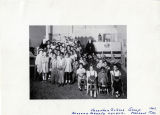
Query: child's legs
{"points": [[62, 76], [73, 76], [65, 77], [59, 76], [53, 77], [69, 77], [119, 88], [79, 81], [45, 75]]}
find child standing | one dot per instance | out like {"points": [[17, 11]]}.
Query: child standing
{"points": [[68, 69], [75, 67], [45, 61], [60, 69], [81, 76], [91, 81], [38, 63], [116, 81], [53, 69]]}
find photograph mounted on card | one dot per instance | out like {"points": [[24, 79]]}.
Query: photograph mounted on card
{"points": [[78, 61]]}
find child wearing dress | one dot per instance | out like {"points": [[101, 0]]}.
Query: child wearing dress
{"points": [[68, 69], [60, 69], [45, 61], [38, 63], [81, 76]]}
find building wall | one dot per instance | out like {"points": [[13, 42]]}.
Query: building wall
{"points": [[36, 34]]}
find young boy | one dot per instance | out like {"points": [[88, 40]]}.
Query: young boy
{"points": [[116, 81]]}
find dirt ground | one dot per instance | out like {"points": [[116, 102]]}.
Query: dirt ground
{"points": [[46, 90]]}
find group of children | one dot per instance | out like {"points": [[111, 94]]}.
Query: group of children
{"points": [[63, 63]]}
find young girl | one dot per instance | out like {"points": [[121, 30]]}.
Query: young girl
{"points": [[68, 69], [91, 81], [73, 55], [38, 63], [60, 70], [116, 81], [81, 75], [45, 61]]}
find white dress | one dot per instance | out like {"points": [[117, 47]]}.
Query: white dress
{"points": [[38, 63], [68, 65], [45, 61]]}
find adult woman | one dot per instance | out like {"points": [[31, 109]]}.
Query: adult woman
{"points": [[90, 49]]}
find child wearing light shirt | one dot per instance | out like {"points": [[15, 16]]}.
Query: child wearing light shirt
{"points": [[91, 81], [81, 75]]}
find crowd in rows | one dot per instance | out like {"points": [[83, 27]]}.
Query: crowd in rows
{"points": [[66, 63]]}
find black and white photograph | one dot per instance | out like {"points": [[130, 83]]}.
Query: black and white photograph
{"points": [[78, 61]]}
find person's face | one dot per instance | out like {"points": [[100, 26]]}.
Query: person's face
{"points": [[53, 55], [67, 55], [115, 68], [91, 68], [44, 53], [58, 52], [80, 66], [40, 52], [50, 50], [61, 56], [102, 70], [89, 41], [48, 46], [100, 61]]}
